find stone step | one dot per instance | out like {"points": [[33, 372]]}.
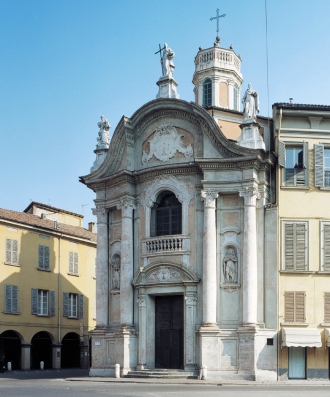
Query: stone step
{"points": [[162, 374]]}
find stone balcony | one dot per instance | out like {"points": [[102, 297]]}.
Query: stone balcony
{"points": [[218, 57], [172, 245]]}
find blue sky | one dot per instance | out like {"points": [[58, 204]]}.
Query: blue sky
{"points": [[65, 63]]}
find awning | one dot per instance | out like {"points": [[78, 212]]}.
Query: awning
{"points": [[327, 336], [304, 337]]}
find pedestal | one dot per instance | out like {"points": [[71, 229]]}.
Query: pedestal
{"points": [[167, 87], [250, 136]]}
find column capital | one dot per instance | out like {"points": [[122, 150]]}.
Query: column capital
{"points": [[191, 299], [126, 206], [250, 195], [209, 196], [142, 301], [101, 213]]}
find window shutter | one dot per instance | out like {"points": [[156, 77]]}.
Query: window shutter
{"points": [[65, 304], [318, 165], [289, 307], [289, 246], [327, 307], [34, 301], [299, 307], [281, 154], [70, 262], [46, 258], [14, 252], [301, 262], [75, 263], [8, 250], [41, 257], [8, 299], [81, 306], [326, 247], [306, 161], [14, 299], [52, 303]]}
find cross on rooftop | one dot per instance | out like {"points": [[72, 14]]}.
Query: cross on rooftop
{"points": [[217, 18]]}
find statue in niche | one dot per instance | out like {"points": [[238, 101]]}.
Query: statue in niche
{"points": [[251, 103], [115, 263], [230, 266]]}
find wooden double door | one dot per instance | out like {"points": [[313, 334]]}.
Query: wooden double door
{"points": [[169, 326]]}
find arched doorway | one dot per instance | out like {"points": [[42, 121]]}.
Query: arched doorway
{"points": [[70, 356], [41, 350], [10, 349]]}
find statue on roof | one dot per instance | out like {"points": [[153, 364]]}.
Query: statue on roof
{"points": [[166, 61], [251, 103], [103, 137]]}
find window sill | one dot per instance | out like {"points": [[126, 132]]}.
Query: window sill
{"points": [[73, 274], [72, 317], [325, 188], [325, 325], [12, 264], [43, 270], [322, 272], [42, 315], [297, 271], [295, 324], [295, 187], [14, 313]]}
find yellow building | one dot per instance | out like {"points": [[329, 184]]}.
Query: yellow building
{"points": [[303, 192], [47, 287]]}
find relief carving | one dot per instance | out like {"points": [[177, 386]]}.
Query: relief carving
{"points": [[115, 264], [165, 143], [165, 274]]}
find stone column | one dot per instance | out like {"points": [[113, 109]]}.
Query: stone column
{"points": [[189, 337], [126, 272], [209, 259], [250, 271], [142, 363], [102, 287]]}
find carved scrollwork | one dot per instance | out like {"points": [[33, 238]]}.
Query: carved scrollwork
{"points": [[165, 274], [126, 206], [165, 143]]}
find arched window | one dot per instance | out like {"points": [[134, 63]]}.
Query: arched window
{"points": [[207, 93], [166, 215], [235, 97]]}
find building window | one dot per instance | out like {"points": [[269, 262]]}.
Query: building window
{"points": [[327, 307], [235, 97], [11, 300], [11, 251], [73, 263], [43, 302], [295, 255], [294, 306], [73, 305], [325, 246], [322, 166], [43, 261], [207, 93], [297, 362], [294, 160], [166, 215]]}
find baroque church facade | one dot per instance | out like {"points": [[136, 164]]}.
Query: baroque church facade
{"points": [[184, 224]]}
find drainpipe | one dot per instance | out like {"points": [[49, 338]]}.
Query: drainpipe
{"points": [[58, 288]]}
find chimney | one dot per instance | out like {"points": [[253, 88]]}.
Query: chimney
{"points": [[91, 227]]}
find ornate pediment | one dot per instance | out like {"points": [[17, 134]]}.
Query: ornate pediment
{"points": [[169, 273]]}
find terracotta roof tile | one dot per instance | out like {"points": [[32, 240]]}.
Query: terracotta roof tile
{"points": [[34, 220]]}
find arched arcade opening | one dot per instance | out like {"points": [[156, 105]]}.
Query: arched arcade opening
{"points": [[41, 350], [70, 355], [10, 349]]}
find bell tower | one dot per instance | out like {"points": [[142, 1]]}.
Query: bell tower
{"points": [[217, 78]]}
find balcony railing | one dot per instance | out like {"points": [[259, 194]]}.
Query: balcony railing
{"points": [[219, 56], [166, 244]]}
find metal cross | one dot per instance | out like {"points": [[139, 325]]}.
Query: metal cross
{"points": [[160, 51], [217, 18]]}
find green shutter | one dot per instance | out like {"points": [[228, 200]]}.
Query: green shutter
{"points": [[8, 299], [65, 304], [34, 301], [81, 306], [318, 165], [52, 303]]}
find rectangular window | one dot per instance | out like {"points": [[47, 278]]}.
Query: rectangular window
{"points": [[327, 307], [325, 246], [43, 262], [294, 306], [294, 160], [11, 300], [11, 251], [321, 166], [295, 236], [73, 305], [43, 302], [73, 263]]}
